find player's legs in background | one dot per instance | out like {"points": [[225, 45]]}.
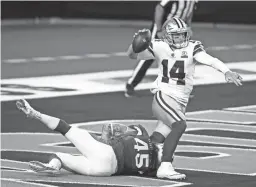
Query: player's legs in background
{"points": [[82, 140], [171, 114], [140, 70], [138, 74]]}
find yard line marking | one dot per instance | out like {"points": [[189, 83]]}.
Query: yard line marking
{"points": [[14, 61], [241, 107], [24, 182], [71, 57], [245, 46], [97, 55], [42, 59], [218, 48], [105, 82], [115, 54], [213, 171]]}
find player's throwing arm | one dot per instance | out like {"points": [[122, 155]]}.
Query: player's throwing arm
{"points": [[141, 41]]}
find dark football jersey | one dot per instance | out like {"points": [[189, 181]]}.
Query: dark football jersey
{"points": [[135, 152]]}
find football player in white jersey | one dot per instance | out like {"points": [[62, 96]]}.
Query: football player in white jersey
{"points": [[176, 56]]}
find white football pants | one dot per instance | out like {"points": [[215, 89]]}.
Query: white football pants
{"points": [[97, 159]]}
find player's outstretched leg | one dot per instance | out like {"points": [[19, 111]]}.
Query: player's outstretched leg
{"points": [[168, 112], [90, 148], [50, 121], [137, 76]]}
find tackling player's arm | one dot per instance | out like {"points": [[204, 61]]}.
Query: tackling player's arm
{"points": [[202, 57]]}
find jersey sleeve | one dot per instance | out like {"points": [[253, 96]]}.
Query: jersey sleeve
{"points": [[147, 54], [209, 60], [198, 47]]}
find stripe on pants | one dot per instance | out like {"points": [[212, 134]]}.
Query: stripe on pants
{"points": [[166, 107]]}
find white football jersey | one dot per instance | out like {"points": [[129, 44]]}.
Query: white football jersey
{"points": [[176, 67]]}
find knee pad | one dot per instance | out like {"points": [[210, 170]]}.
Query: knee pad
{"points": [[62, 127], [180, 125]]}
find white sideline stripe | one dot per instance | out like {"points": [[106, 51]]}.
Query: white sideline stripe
{"points": [[153, 71], [242, 111], [8, 167], [107, 55], [102, 82], [40, 59], [207, 157], [224, 129], [69, 57], [220, 121], [13, 161], [86, 182], [14, 61], [24, 182], [178, 183], [242, 107], [213, 171]]}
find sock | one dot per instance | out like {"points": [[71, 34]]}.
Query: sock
{"points": [[157, 137], [62, 127], [172, 140]]}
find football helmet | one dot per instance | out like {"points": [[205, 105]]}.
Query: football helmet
{"points": [[176, 32], [113, 130]]}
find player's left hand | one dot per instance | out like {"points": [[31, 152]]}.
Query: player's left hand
{"points": [[233, 77]]}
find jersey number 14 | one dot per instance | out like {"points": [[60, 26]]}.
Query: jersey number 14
{"points": [[178, 66], [141, 159]]}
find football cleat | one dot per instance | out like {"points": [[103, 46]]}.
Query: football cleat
{"points": [[25, 107], [166, 171], [39, 167]]}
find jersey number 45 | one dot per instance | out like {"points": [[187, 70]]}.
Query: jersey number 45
{"points": [[178, 66], [141, 159]]}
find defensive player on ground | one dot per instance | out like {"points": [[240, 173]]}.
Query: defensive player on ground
{"points": [[127, 150], [176, 56]]}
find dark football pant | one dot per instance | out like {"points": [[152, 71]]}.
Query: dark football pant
{"points": [[139, 72]]}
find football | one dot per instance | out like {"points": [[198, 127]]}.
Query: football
{"points": [[141, 41]]}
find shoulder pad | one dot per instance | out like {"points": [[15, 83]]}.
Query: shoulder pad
{"points": [[198, 46]]}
